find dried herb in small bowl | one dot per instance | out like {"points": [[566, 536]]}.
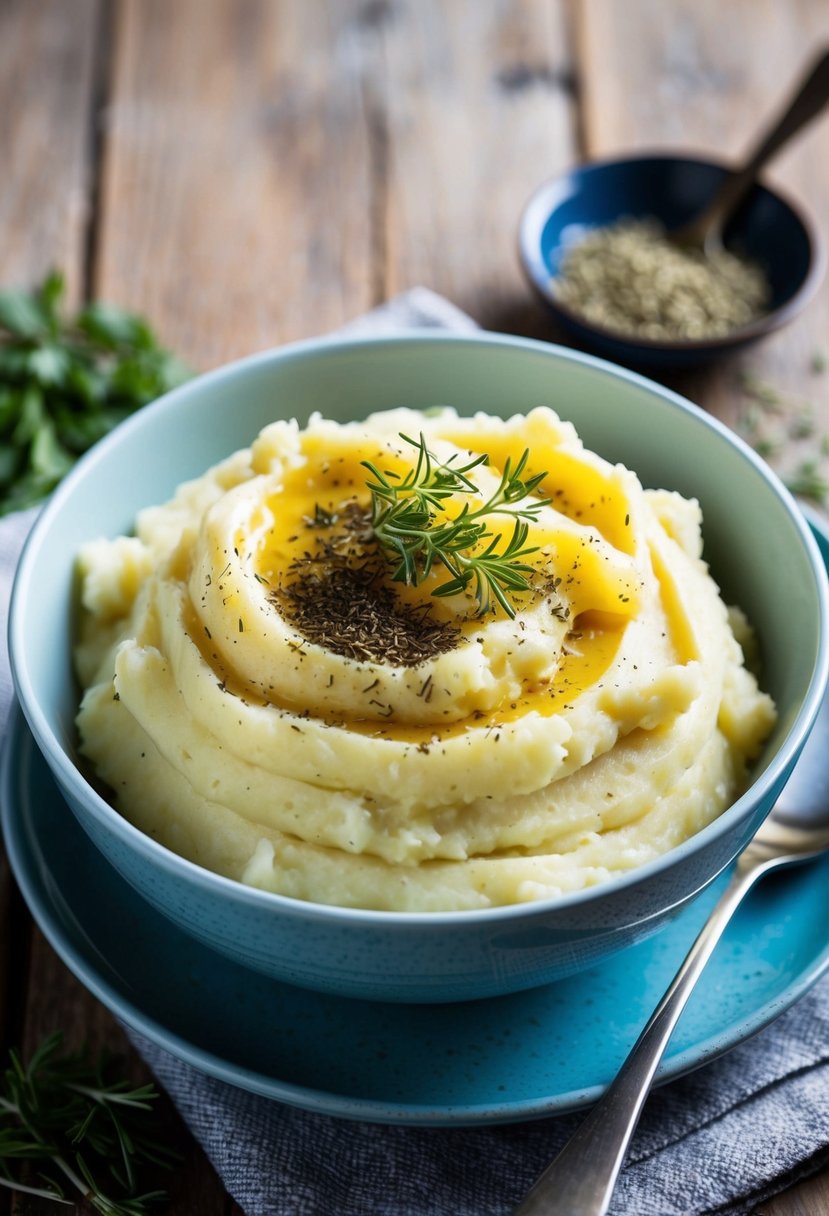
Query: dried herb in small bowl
{"points": [[629, 277]]}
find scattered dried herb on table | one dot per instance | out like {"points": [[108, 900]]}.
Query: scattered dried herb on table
{"points": [[66, 382], [776, 423]]}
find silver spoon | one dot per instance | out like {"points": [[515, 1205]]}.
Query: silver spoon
{"points": [[581, 1179], [704, 230]]}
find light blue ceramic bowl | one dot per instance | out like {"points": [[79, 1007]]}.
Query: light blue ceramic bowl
{"points": [[759, 547]]}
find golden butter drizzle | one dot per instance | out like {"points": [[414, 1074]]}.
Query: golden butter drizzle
{"points": [[333, 477], [589, 655]]}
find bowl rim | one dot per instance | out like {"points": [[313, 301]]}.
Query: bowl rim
{"points": [[72, 777], [538, 209]]}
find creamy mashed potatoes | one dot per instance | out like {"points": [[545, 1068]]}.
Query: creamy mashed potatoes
{"points": [[263, 698]]}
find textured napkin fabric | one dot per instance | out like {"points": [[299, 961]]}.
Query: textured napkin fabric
{"points": [[718, 1141]]}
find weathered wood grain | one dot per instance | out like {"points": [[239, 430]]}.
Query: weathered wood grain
{"points": [[239, 172], [810, 1198], [58, 1002], [47, 87], [475, 107], [53, 67], [342, 153], [48, 78]]}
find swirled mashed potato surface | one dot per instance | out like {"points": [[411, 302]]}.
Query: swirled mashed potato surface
{"points": [[262, 698]]}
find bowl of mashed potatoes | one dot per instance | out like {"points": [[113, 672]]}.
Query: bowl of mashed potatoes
{"points": [[420, 668]]}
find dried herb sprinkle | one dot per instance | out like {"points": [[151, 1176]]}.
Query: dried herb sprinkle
{"points": [[337, 596]]}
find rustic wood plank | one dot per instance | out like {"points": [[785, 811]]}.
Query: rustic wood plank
{"points": [[237, 187], [52, 68], [47, 84], [48, 81], [474, 105], [708, 77], [810, 1198]]}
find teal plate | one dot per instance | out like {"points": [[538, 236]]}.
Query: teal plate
{"points": [[525, 1056]]}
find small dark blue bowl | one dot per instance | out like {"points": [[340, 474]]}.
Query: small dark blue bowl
{"points": [[766, 228]]}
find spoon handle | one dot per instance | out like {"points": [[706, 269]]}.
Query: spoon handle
{"points": [[806, 103], [580, 1180], [808, 100]]}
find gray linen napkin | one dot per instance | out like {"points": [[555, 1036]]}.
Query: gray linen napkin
{"points": [[719, 1141]]}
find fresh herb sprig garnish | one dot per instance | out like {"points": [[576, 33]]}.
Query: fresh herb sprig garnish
{"points": [[65, 382], [404, 520], [79, 1135]]}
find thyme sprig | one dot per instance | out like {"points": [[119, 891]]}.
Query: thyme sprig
{"points": [[83, 1137], [404, 520]]}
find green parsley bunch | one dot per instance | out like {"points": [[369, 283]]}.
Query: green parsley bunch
{"points": [[66, 382]]}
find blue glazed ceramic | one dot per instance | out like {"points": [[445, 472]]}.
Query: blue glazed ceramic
{"points": [[767, 228], [758, 545], [531, 1054]]}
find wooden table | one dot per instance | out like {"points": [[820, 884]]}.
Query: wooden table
{"points": [[247, 173]]}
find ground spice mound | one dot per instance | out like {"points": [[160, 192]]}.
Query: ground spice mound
{"points": [[338, 596], [630, 277]]}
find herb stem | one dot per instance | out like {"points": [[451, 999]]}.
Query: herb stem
{"points": [[40, 1192], [58, 1112], [137, 1099], [404, 519]]}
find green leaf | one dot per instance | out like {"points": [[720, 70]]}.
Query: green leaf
{"points": [[27, 490], [20, 315], [31, 416], [91, 1139], [64, 383], [85, 385], [49, 296], [115, 328], [48, 458], [408, 519], [10, 404], [78, 431], [14, 364], [49, 364], [170, 371], [10, 462]]}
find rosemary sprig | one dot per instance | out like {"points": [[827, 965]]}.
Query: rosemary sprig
{"points": [[87, 1137], [404, 513]]}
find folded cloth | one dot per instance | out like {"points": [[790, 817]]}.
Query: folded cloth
{"points": [[719, 1141]]}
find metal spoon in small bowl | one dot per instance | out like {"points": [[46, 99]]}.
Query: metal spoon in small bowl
{"points": [[581, 1179], [704, 230]]}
